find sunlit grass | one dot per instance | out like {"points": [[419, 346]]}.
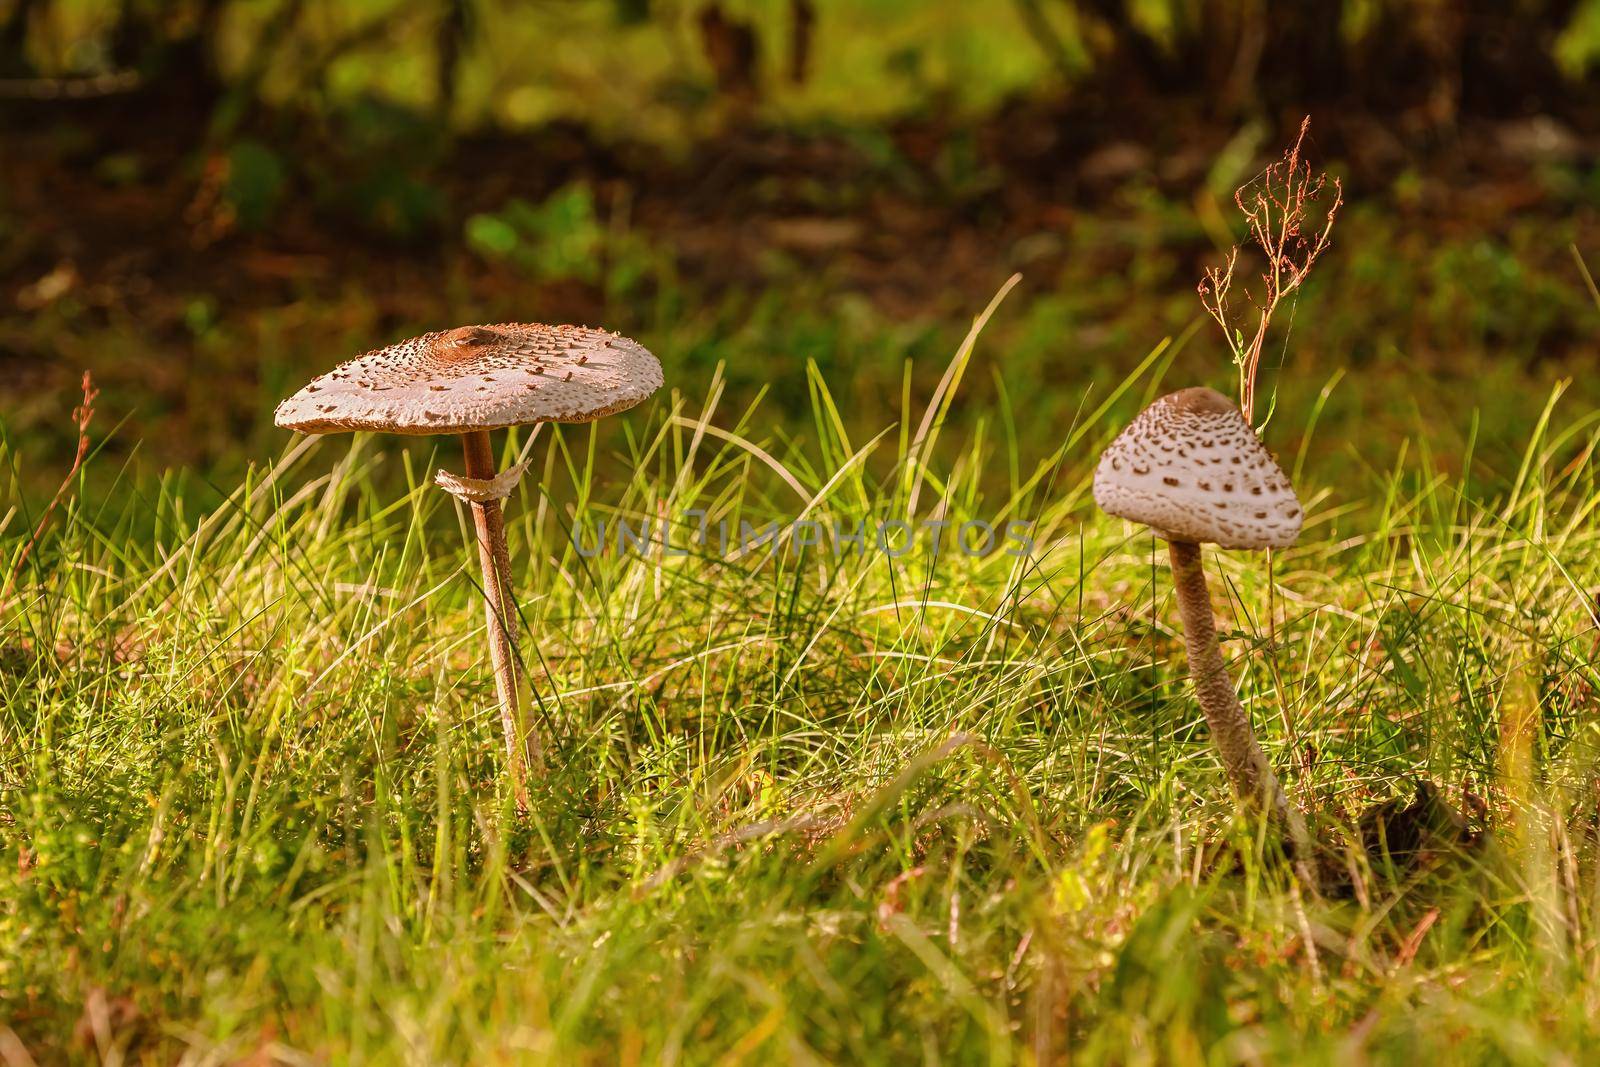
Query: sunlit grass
{"points": [[801, 805]]}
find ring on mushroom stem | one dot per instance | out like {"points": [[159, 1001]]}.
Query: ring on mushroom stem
{"points": [[469, 381], [1191, 468]]}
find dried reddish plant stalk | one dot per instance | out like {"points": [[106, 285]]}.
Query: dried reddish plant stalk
{"points": [[81, 417], [1276, 205]]}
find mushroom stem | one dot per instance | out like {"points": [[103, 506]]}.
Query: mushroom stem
{"points": [[1246, 764], [522, 747]]}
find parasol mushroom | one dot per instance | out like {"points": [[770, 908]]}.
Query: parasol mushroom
{"points": [[1191, 468], [469, 381]]}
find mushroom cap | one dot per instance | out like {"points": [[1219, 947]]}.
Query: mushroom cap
{"points": [[478, 378], [1191, 468]]}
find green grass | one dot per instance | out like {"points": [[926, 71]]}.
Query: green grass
{"points": [[800, 807]]}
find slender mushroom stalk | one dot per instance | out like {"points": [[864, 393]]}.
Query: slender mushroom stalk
{"points": [[523, 750], [1190, 467], [469, 381], [1246, 764]]}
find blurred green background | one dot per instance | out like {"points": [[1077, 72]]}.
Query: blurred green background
{"points": [[204, 202]]}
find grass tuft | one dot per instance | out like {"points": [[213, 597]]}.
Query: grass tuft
{"points": [[802, 805]]}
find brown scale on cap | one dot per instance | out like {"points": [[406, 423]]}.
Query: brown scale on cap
{"points": [[478, 378], [1199, 400], [1191, 468], [464, 341]]}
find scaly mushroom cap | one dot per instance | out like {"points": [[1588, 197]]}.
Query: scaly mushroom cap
{"points": [[478, 378], [1191, 468]]}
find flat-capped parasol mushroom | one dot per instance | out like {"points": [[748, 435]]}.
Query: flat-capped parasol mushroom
{"points": [[1191, 468], [470, 381]]}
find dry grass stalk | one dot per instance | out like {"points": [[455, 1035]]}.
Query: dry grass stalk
{"points": [[82, 415], [1276, 204]]}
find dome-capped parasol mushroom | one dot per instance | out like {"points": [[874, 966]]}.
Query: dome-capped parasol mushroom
{"points": [[1191, 468], [469, 381]]}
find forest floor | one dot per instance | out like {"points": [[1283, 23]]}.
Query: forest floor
{"points": [[199, 284], [802, 805]]}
